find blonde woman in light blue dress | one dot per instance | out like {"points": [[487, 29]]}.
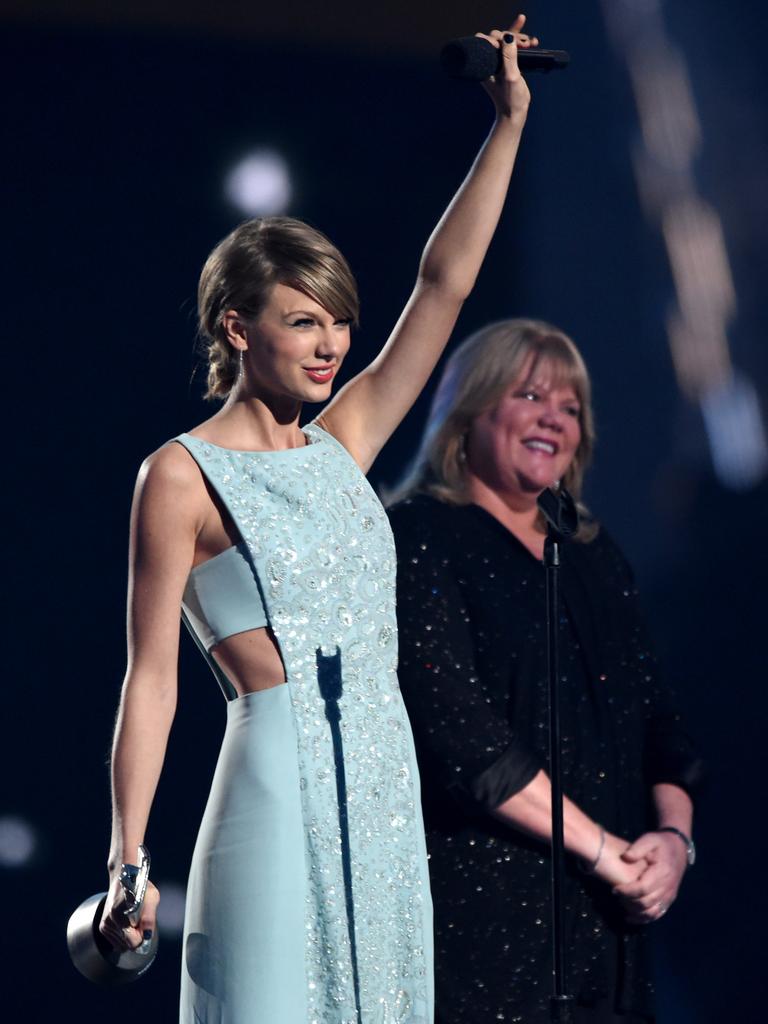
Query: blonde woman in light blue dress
{"points": [[308, 898]]}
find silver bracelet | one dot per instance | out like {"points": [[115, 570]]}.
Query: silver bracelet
{"points": [[589, 869], [133, 880]]}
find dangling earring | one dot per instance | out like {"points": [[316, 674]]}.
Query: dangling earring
{"points": [[240, 367], [462, 451], [556, 485]]}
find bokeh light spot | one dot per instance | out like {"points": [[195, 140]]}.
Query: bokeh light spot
{"points": [[17, 842], [170, 911], [259, 184]]}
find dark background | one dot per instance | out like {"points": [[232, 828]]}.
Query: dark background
{"points": [[119, 126]]}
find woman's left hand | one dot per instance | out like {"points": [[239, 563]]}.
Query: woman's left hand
{"points": [[508, 88], [651, 895]]}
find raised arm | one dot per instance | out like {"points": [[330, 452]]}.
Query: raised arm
{"points": [[164, 523], [366, 412]]}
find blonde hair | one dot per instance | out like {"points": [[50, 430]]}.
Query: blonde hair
{"points": [[244, 267], [474, 379]]}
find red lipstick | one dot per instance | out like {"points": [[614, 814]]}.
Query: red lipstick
{"points": [[320, 374]]}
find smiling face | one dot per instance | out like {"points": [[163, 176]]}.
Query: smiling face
{"points": [[240, 275], [529, 438], [295, 347]]}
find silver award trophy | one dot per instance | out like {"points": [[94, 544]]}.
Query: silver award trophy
{"points": [[91, 954]]}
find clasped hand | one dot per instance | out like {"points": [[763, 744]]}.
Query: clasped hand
{"points": [[660, 861]]}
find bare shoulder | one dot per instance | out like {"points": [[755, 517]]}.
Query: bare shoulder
{"points": [[170, 465], [169, 481], [166, 518]]}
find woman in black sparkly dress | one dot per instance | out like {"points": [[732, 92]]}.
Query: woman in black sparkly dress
{"points": [[512, 416]]}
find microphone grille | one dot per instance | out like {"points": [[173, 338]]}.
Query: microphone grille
{"points": [[471, 59]]}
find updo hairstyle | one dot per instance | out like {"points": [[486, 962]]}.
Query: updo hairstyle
{"points": [[243, 268]]}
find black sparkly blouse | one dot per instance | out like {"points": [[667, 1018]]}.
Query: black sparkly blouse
{"points": [[471, 607]]}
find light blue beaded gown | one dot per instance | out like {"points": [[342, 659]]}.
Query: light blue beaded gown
{"points": [[308, 899]]}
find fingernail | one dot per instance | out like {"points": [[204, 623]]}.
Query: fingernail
{"points": [[147, 933], [508, 37]]}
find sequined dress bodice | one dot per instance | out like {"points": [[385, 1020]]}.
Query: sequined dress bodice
{"points": [[323, 555]]}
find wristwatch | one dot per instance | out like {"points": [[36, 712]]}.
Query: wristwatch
{"points": [[690, 846]]}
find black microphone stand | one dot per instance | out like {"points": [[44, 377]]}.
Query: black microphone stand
{"points": [[562, 518]]}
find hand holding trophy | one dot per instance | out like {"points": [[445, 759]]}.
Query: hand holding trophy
{"points": [[91, 953]]}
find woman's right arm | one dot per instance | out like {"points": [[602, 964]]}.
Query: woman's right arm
{"points": [[165, 519], [530, 811]]}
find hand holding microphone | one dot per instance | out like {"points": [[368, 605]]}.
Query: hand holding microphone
{"points": [[479, 57], [503, 82]]}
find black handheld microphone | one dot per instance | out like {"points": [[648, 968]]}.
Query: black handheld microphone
{"points": [[474, 59]]}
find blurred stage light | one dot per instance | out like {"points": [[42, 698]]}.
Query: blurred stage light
{"points": [[668, 118], [736, 434], [664, 164], [17, 842], [170, 911], [694, 236], [259, 184]]}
